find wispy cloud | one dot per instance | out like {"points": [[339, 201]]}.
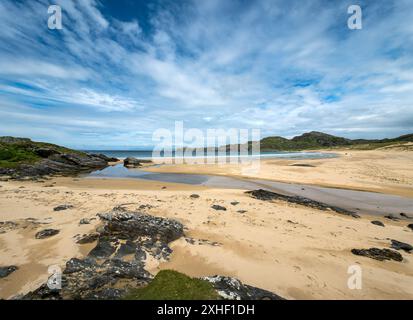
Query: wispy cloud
{"points": [[283, 66]]}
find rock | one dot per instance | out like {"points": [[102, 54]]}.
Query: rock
{"points": [[89, 238], [242, 211], [131, 162], [5, 271], [131, 225], [104, 157], [46, 152], [401, 246], [378, 254], [77, 265], [46, 233], [302, 165], [233, 289], [410, 226], [103, 249], [218, 207], [392, 217], [129, 247], [378, 223], [194, 196], [84, 221], [63, 207], [405, 216], [234, 203], [270, 196]]}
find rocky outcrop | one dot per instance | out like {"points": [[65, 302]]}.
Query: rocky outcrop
{"points": [[410, 226], [378, 254], [116, 265], [270, 196], [131, 162], [233, 289], [117, 262], [37, 159]]}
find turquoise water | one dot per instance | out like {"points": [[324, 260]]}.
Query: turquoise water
{"points": [[121, 154]]}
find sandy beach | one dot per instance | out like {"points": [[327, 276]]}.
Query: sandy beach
{"points": [[294, 251]]}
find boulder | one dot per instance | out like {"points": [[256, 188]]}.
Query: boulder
{"points": [[132, 162]]}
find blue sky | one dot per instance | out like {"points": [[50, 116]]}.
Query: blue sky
{"points": [[121, 69]]}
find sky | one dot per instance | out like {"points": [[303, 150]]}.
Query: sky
{"points": [[121, 69]]}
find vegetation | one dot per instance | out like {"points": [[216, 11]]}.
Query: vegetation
{"points": [[319, 140], [17, 151], [172, 285]]}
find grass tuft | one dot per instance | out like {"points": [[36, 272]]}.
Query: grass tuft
{"points": [[173, 285]]}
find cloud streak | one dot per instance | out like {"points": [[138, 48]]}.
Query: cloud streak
{"points": [[283, 67]]}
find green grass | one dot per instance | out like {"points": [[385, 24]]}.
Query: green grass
{"points": [[172, 285], [22, 151], [11, 156]]}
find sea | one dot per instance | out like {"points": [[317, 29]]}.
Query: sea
{"points": [[148, 154]]}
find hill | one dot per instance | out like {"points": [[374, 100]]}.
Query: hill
{"points": [[22, 157]]}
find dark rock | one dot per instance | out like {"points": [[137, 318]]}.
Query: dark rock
{"points": [[46, 233], [392, 217], [401, 246], [194, 196], [63, 207], [106, 294], [410, 226], [5, 271], [77, 265], [88, 238], [302, 165], [233, 289], [242, 211], [234, 203], [405, 216], [131, 225], [378, 254], [103, 249], [378, 223], [124, 269], [218, 207], [129, 247], [131, 162], [105, 158], [84, 221], [270, 196], [46, 152]]}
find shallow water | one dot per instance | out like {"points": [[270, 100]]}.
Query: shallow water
{"points": [[358, 201]]}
